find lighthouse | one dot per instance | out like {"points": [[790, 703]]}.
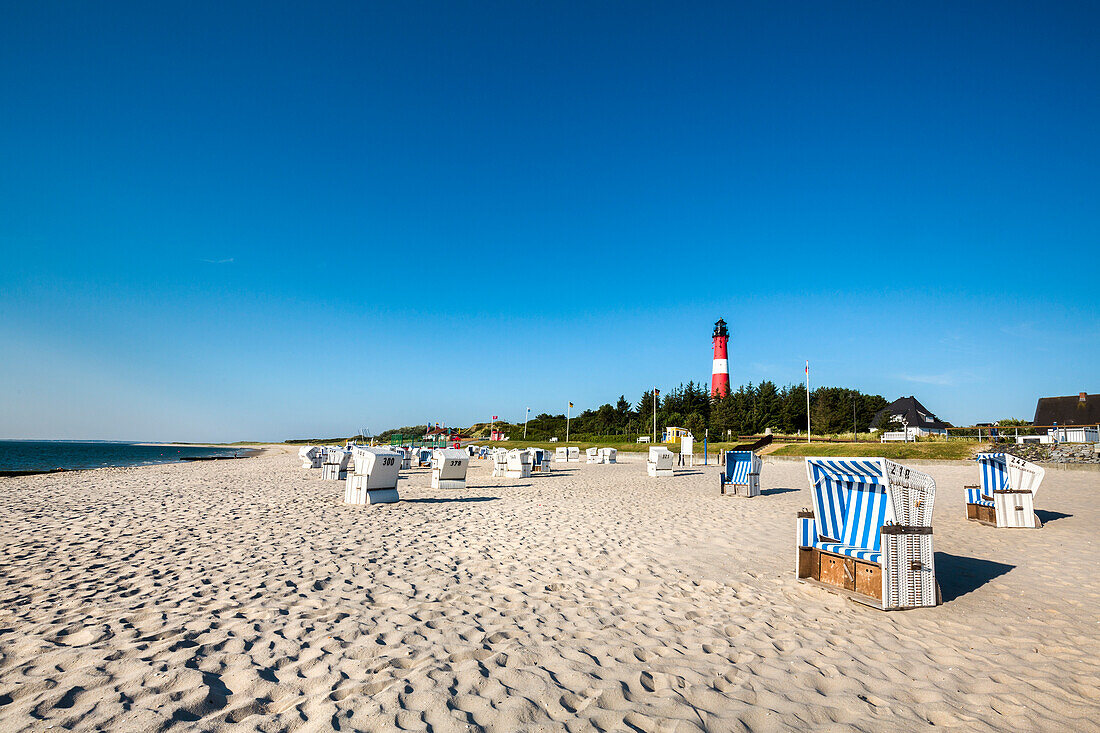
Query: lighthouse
{"points": [[720, 373]]}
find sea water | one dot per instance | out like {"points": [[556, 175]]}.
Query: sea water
{"points": [[46, 455]]}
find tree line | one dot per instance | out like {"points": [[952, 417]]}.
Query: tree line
{"points": [[749, 410]]}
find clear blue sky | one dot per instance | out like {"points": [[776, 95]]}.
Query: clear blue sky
{"points": [[227, 221]]}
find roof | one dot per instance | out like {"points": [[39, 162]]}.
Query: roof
{"points": [[913, 412], [1068, 410]]}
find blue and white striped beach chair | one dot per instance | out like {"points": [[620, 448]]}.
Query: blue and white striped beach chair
{"points": [[742, 472], [870, 532], [1006, 495]]}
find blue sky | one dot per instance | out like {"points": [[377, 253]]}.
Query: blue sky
{"points": [[225, 221]]}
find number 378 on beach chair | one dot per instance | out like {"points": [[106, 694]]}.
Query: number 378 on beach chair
{"points": [[870, 532], [1006, 496]]}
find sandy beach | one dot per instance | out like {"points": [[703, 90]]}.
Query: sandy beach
{"points": [[244, 595]]}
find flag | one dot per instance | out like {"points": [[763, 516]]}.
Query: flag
{"points": [[570, 405], [656, 392], [494, 417], [807, 367]]}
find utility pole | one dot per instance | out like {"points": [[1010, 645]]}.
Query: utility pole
{"points": [[656, 394]]}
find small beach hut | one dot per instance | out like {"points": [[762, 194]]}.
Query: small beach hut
{"points": [[741, 474], [660, 461], [870, 532], [449, 468], [1006, 495], [375, 478]]}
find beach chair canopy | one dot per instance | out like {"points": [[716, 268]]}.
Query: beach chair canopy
{"points": [[855, 497], [380, 464], [740, 464], [1002, 472], [450, 463]]}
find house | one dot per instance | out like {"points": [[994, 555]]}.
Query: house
{"points": [[918, 420], [673, 434], [1076, 417]]}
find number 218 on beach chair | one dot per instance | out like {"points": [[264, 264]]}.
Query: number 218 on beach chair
{"points": [[870, 532]]}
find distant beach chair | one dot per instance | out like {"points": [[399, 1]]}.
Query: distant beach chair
{"points": [[608, 455], [423, 457], [540, 462], [592, 455], [449, 468], [335, 466], [500, 462], [518, 464], [742, 473], [870, 532], [1006, 495], [561, 455], [375, 478], [311, 455], [406, 458], [660, 461], [573, 454]]}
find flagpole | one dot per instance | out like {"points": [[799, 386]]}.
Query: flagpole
{"points": [[807, 400], [525, 423], [655, 393], [567, 411]]}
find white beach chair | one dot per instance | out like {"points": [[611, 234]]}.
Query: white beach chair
{"points": [[335, 466], [573, 454], [608, 455], [561, 455], [406, 458], [375, 478], [423, 457], [1006, 495], [870, 532], [592, 455], [500, 462], [687, 451], [742, 473], [518, 464], [449, 468], [311, 456], [659, 462], [540, 460]]}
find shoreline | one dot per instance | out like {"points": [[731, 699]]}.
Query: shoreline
{"points": [[244, 453]]}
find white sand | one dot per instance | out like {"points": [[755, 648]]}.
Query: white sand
{"points": [[246, 595]]}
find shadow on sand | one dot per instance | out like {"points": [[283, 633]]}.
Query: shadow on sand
{"points": [[1047, 516], [769, 492], [960, 575], [435, 500]]}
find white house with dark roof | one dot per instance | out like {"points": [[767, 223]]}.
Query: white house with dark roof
{"points": [[917, 420]]}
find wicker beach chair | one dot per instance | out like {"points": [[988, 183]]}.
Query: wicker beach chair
{"points": [[608, 455], [1006, 494], [375, 478], [870, 532], [449, 468], [592, 455], [500, 462], [335, 465], [312, 456], [660, 461], [742, 473]]}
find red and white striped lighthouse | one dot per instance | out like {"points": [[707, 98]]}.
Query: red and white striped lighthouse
{"points": [[720, 373]]}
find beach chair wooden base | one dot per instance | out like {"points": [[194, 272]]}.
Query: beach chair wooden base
{"points": [[659, 472], [333, 472], [982, 514], [523, 473], [747, 490], [445, 483], [859, 579]]}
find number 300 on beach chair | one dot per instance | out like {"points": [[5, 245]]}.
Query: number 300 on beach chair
{"points": [[742, 473], [1006, 496], [870, 532]]}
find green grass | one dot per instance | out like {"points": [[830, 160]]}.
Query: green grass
{"points": [[945, 450]]}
